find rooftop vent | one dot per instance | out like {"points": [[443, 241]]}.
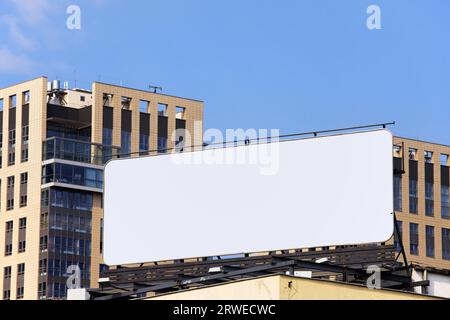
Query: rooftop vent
{"points": [[55, 94]]}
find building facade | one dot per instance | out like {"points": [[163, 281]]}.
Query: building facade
{"points": [[54, 143], [279, 287], [421, 201]]}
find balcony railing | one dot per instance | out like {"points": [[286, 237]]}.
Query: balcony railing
{"points": [[79, 151], [73, 175]]}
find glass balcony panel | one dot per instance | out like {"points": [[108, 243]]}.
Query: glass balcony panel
{"points": [[68, 174], [79, 151]]}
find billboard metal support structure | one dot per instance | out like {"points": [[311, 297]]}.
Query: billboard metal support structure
{"points": [[135, 283], [402, 248]]}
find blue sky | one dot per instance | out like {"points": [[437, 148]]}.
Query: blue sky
{"points": [[295, 65]]}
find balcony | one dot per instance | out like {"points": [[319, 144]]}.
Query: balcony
{"points": [[70, 176], [70, 117], [78, 151]]}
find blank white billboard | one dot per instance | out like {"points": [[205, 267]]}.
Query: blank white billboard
{"points": [[334, 190]]}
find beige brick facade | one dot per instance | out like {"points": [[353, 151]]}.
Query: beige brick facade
{"points": [[436, 221], [33, 166], [37, 134]]}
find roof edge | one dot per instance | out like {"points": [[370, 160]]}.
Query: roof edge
{"points": [[141, 90]]}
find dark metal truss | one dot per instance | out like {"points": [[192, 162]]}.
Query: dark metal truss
{"points": [[347, 264]]}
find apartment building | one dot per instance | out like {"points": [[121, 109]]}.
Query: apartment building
{"points": [[54, 143], [421, 201]]}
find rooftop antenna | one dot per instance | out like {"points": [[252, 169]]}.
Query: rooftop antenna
{"points": [[155, 89], [76, 78]]}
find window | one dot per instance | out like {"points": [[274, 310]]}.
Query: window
{"points": [[398, 193], [1, 149], [429, 232], [59, 290], [2, 104], [180, 112], [107, 143], [12, 147], [414, 238], [23, 189], [22, 246], [398, 237], [162, 145], [126, 103], [412, 153], [71, 200], [22, 223], [24, 155], [125, 143], [26, 97], [9, 204], [75, 175], [24, 178], [445, 244], [9, 226], [23, 201], [45, 197], [21, 269], [10, 193], [7, 295], [144, 143], [103, 268], [13, 101], [25, 142], [42, 290], [8, 250], [43, 243], [397, 151], [7, 272], [43, 266], [162, 109], [107, 100], [20, 292], [144, 106], [107, 136], [66, 245], [11, 182], [444, 159], [445, 202], [429, 199], [44, 220], [82, 98], [428, 155], [413, 196]]}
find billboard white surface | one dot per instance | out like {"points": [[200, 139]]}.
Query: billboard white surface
{"points": [[333, 190]]}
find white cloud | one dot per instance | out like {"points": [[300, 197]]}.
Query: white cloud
{"points": [[16, 34], [33, 12], [25, 22], [26, 14], [13, 63], [31, 26]]}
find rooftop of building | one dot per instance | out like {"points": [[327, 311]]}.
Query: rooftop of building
{"points": [[423, 141], [102, 83]]}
